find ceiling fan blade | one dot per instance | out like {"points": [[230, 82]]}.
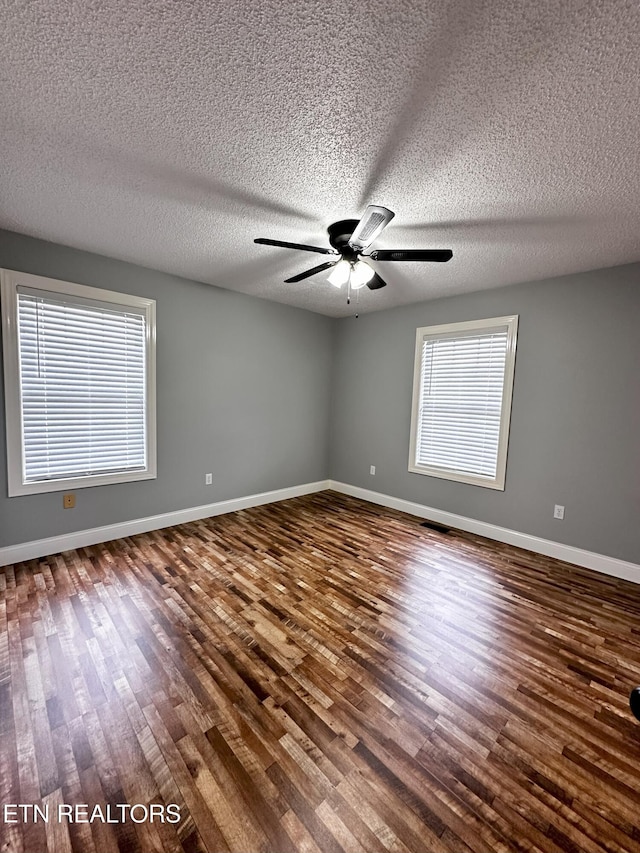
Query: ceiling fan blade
{"points": [[437, 255], [264, 241], [370, 226], [376, 283], [312, 271]]}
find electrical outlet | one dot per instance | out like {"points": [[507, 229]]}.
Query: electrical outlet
{"points": [[208, 479], [558, 512], [372, 470], [68, 501]]}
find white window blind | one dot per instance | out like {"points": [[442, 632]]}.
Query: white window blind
{"points": [[460, 422], [79, 372], [82, 384]]}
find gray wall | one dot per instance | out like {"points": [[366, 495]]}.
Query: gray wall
{"points": [[243, 391], [575, 424], [257, 393]]}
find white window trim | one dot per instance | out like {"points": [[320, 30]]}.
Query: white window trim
{"points": [[9, 283], [494, 323]]}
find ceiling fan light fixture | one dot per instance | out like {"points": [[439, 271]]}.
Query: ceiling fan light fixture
{"points": [[361, 274], [340, 273]]}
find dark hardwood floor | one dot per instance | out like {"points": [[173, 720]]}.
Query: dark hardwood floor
{"points": [[318, 675]]}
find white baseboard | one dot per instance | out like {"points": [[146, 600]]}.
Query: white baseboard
{"points": [[587, 559], [95, 535]]}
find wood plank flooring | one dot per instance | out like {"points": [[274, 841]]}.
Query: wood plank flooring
{"points": [[318, 675]]}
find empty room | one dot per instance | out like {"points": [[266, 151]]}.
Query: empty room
{"points": [[320, 427]]}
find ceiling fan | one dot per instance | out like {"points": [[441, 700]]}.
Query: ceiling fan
{"points": [[349, 238]]}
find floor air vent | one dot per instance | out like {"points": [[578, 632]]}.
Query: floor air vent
{"points": [[433, 525]]}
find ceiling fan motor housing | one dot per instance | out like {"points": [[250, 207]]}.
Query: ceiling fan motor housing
{"points": [[340, 234]]}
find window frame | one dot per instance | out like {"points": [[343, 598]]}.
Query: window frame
{"points": [[464, 329], [10, 282]]}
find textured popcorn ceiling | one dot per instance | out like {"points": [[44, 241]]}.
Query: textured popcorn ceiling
{"points": [[171, 134]]}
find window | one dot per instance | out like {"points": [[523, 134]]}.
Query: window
{"points": [[462, 400], [79, 367]]}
